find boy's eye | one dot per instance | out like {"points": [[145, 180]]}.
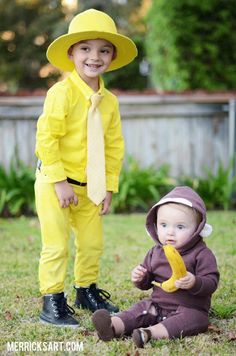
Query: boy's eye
{"points": [[106, 50], [84, 48]]}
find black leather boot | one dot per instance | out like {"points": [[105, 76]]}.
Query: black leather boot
{"points": [[56, 311], [93, 298]]}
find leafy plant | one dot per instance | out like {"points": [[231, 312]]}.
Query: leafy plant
{"points": [[217, 190], [191, 44], [16, 189], [141, 187]]}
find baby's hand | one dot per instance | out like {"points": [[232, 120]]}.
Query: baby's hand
{"points": [[138, 273], [186, 282], [65, 194]]}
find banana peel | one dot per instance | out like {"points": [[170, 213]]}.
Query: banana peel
{"points": [[177, 266]]}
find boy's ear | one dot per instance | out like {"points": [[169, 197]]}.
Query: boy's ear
{"points": [[70, 53], [114, 53]]}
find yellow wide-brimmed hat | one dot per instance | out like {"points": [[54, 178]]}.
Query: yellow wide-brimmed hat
{"points": [[88, 25]]}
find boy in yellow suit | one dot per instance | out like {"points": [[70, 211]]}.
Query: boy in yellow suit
{"points": [[80, 148]]}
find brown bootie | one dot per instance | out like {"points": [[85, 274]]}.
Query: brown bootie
{"points": [[141, 337], [102, 322]]}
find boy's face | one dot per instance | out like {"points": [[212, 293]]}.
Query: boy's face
{"points": [[176, 224], [91, 58]]}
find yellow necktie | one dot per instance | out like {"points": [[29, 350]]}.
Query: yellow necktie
{"points": [[96, 177]]}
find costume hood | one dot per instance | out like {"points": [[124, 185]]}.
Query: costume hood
{"points": [[185, 196]]}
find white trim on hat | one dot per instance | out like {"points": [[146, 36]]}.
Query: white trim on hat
{"points": [[175, 200]]}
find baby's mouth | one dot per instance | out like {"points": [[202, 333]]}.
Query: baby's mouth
{"points": [[170, 242]]}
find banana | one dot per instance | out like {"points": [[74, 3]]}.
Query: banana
{"points": [[177, 266]]}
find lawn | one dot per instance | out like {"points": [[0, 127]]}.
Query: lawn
{"points": [[126, 242]]}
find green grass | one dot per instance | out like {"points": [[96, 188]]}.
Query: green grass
{"points": [[126, 243]]}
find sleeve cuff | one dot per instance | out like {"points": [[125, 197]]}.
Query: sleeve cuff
{"points": [[53, 173], [197, 286], [112, 183]]}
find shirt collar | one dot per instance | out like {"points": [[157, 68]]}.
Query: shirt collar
{"points": [[85, 89]]}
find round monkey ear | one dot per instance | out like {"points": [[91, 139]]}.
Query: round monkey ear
{"points": [[206, 231]]}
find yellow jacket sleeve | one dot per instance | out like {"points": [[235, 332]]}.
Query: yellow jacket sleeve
{"points": [[51, 127]]}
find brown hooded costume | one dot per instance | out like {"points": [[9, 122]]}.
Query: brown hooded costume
{"points": [[184, 312]]}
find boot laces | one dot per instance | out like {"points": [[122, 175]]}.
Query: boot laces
{"points": [[101, 295], [61, 308]]}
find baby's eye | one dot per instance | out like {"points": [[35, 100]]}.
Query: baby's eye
{"points": [[180, 227], [163, 224]]}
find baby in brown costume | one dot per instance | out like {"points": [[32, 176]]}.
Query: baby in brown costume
{"points": [[179, 219]]}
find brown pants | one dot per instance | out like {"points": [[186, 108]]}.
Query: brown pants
{"points": [[179, 323]]}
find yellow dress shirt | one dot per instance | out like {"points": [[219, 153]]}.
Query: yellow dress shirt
{"points": [[61, 139]]}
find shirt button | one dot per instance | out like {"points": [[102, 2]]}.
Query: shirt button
{"points": [[144, 312]]}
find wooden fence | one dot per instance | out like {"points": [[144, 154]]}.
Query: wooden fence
{"points": [[189, 133]]}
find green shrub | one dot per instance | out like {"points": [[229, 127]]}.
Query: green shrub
{"points": [[220, 186], [217, 190], [140, 188], [16, 190], [192, 44]]}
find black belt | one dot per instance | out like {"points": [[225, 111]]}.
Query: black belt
{"points": [[73, 181]]}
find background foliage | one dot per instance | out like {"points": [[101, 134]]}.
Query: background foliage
{"points": [[192, 44], [139, 189], [17, 190], [27, 27]]}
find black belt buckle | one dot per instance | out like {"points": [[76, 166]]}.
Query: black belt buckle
{"points": [[75, 182]]}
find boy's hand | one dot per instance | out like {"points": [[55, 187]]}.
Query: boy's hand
{"points": [[65, 194], [106, 203], [138, 273], [186, 282]]}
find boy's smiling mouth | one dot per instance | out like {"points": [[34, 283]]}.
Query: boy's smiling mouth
{"points": [[93, 66]]}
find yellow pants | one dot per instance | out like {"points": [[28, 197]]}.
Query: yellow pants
{"points": [[56, 224]]}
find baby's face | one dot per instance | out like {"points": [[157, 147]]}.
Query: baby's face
{"points": [[176, 224]]}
